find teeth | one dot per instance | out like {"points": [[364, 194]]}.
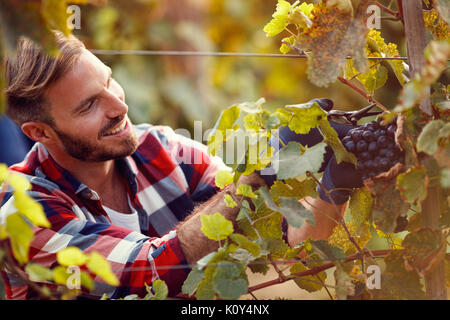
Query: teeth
{"points": [[122, 126]]}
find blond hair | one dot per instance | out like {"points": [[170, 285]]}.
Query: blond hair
{"points": [[30, 73]]}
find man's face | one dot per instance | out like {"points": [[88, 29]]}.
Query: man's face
{"points": [[89, 111]]}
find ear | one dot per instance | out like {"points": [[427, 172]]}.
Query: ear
{"points": [[39, 131]]}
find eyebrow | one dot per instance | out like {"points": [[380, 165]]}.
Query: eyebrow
{"points": [[82, 104]]}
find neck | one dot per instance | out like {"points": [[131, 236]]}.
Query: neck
{"points": [[98, 176]]}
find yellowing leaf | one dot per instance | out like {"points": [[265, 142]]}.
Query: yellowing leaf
{"points": [[71, 256], [216, 226], [360, 205], [18, 182], [3, 172], [31, 209], [246, 191], [284, 47], [305, 116], [279, 21], [333, 36], [332, 139], [229, 201], [223, 178], [98, 265], [20, 235], [339, 237]]}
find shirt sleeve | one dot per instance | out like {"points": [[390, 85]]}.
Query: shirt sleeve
{"points": [[199, 167], [135, 259]]}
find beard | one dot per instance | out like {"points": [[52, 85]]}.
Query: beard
{"points": [[85, 150]]}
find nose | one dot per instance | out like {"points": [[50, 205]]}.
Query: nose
{"points": [[115, 106]]}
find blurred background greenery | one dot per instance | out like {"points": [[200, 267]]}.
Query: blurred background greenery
{"points": [[176, 91]]}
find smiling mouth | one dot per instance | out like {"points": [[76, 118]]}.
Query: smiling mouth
{"points": [[117, 130]]}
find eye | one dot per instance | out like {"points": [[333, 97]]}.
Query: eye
{"points": [[89, 106]]}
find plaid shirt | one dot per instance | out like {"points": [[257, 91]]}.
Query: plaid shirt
{"points": [[167, 175]]}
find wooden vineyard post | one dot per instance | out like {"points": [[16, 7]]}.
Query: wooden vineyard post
{"points": [[416, 43]]}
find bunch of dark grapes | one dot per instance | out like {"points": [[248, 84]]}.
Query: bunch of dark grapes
{"points": [[375, 148]]}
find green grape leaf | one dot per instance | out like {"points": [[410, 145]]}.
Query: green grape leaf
{"points": [[38, 273], [361, 202], [293, 188], [71, 256], [327, 251], [279, 19], [252, 247], [205, 290], [229, 281], [20, 236], [246, 191], [388, 205], [192, 281], [223, 178], [396, 282], [99, 265], [332, 139], [413, 185], [289, 163], [305, 116], [260, 265], [216, 226], [278, 248], [423, 250], [308, 283], [290, 208], [431, 134]]}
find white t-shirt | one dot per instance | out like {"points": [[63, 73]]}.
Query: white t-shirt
{"points": [[125, 220]]}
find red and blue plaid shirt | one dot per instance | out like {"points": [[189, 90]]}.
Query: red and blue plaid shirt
{"points": [[167, 175]]}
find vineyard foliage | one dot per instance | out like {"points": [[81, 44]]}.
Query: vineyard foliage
{"points": [[338, 45]]}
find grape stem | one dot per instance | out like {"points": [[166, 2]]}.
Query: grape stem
{"points": [[389, 11], [341, 220], [361, 92], [316, 270]]}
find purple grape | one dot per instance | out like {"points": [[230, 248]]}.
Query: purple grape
{"points": [[368, 136], [357, 135], [361, 146], [364, 155], [382, 141], [384, 163], [389, 154], [346, 139], [391, 129], [350, 146], [373, 148], [380, 132]]}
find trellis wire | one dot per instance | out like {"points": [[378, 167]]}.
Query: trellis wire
{"points": [[216, 54]]}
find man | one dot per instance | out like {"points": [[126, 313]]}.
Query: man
{"points": [[108, 186]]}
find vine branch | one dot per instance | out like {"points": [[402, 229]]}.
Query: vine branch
{"points": [[316, 270]]}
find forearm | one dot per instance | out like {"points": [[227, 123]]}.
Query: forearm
{"points": [[326, 217], [193, 242]]}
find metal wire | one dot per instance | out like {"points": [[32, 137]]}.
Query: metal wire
{"points": [[216, 54]]}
